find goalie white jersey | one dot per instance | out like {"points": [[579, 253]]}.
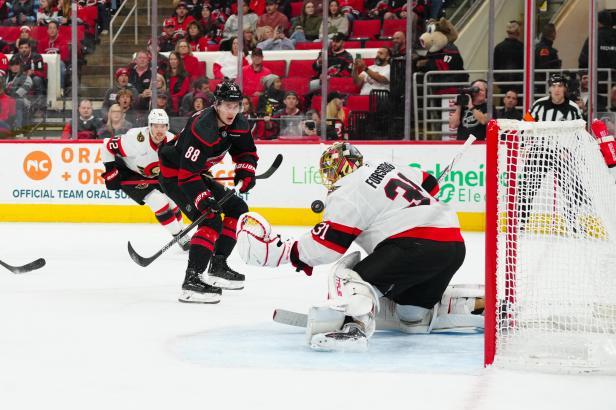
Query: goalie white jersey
{"points": [[375, 203], [137, 150]]}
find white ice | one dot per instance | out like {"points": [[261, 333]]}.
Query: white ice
{"points": [[92, 330]]}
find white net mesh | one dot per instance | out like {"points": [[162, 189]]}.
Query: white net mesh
{"points": [[556, 250]]}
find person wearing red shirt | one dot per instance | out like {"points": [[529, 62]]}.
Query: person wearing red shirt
{"points": [[190, 62], [178, 80], [182, 19], [54, 44], [7, 110], [196, 39], [272, 17], [253, 73], [4, 64]]}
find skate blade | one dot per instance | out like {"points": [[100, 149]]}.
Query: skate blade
{"points": [[321, 343], [188, 296], [224, 283]]}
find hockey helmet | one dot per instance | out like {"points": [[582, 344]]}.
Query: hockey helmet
{"points": [[557, 78], [158, 116], [228, 90], [337, 161]]}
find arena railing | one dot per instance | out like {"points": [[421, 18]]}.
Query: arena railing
{"points": [[113, 35]]}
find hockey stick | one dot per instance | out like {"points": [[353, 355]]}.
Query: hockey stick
{"points": [[145, 261], [37, 264], [469, 141], [265, 175]]}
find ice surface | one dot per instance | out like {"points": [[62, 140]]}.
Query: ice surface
{"points": [[92, 330]]}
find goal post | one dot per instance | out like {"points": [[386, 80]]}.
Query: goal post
{"points": [[550, 249]]}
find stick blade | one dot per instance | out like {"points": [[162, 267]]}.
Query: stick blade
{"points": [[139, 260], [288, 317], [34, 265]]}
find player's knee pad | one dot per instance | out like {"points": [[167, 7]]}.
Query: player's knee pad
{"points": [[235, 207], [156, 200]]}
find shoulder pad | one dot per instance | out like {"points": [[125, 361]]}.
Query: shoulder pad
{"points": [[204, 127]]}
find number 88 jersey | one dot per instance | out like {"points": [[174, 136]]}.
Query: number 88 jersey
{"points": [[375, 203]]}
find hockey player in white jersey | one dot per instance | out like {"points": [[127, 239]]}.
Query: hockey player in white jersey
{"points": [[134, 156], [413, 242]]}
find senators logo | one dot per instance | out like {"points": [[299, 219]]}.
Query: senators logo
{"points": [[140, 137]]}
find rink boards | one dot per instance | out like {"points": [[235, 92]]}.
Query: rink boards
{"points": [[60, 181]]}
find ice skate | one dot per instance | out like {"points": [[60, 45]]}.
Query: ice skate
{"points": [[350, 339], [184, 242], [222, 276], [196, 291]]}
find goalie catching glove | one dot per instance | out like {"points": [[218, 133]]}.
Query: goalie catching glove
{"points": [[258, 246]]}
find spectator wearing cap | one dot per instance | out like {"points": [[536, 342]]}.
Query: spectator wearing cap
{"points": [[276, 126], [509, 55], [336, 115], [7, 111], [195, 37], [163, 101], [25, 34], [18, 85], [249, 18], [178, 81], [182, 18], [88, 124], [122, 83], [226, 64], [21, 13], [253, 73], [199, 86], [271, 100], [340, 61], [556, 106], [116, 124], [276, 40], [167, 41], [306, 26], [272, 17], [190, 62], [374, 77], [337, 21]]}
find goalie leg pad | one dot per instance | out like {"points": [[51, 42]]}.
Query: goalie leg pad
{"points": [[323, 319], [461, 309]]}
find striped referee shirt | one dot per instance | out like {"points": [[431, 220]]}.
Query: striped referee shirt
{"points": [[545, 110]]}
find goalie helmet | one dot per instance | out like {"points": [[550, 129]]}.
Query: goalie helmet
{"points": [[337, 161], [228, 90], [158, 116]]}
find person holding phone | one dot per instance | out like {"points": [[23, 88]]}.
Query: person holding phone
{"points": [[374, 77]]}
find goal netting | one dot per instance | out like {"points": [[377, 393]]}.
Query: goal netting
{"points": [[550, 249]]}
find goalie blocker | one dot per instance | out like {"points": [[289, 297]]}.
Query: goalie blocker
{"points": [[413, 243]]}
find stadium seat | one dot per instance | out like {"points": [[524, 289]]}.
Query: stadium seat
{"points": [[344, 85], [352, 44], [9, 34], [369, 61], [202, 68], [213, 47], [309, 45], [301, 68], [379, 43], [391, 26], [255, 101], [358, 102], [301, 85], [296, 8], [213, 82], [278, 67], [316, 103], [366, 29]]}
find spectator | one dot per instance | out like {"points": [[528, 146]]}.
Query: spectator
{"points": [[139, 73], [253, 73], [231, 25], [54, 44], [351, 9], [199, 86], [306, 26], [312, 124], [375, 77], [25, 34], [509, 110], [178, 80], [340, 61], [275, 40], [168, 40], [18, 85], [195, 37], [226, 65], [126, 100], [190, 62], [161, 60], [7, 111], [470, 116], [46, 12], [182, 19], [281, 126], [250, 113], [250, 42], [32, 64], [556, 106], [398, 48], [194, 8], [212, 26], [272, 99], [272, 17], [64, 12], [546, 56], [335, 114], [88, 123], [116, 124], [21, 13], [337, 22], [163, 102], [122, 83], [509, 55]]}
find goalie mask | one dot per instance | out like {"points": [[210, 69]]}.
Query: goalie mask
{"points": [[337, 161]]}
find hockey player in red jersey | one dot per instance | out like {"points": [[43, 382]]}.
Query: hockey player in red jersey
{"points": [[133, 156], [413, 242], [207, 137]]}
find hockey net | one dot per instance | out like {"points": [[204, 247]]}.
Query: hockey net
{"points": [[550, 249]]}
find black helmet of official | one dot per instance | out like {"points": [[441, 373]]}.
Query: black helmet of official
{"points": [[228, 90], [556, 78]]}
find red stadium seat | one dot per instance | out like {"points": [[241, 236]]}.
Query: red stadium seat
{"points": [[255, 101], [316, 103], [213, 83], [366, 29], [301, 68], [369, 61], [391, 26], [352, 44], [358, 102], [9, 34], [379, 43], [296, 8], [278, 67], [309, 45], [201, 68], [213, 47], [301, 85], [344, 85]]}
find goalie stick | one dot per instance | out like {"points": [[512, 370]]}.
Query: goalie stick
{"points": [[265, 175], [37, 264], [145, 261], [469, 141]]}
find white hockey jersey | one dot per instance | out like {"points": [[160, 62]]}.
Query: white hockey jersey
{"points": [[136, 149], [375, 203]]}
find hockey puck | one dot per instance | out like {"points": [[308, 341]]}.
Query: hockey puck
{"points": [[317, 206]]}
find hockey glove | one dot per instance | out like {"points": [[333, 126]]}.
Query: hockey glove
{"points": [[113, 179], [257, 245], [245, 173], [207, 204]]}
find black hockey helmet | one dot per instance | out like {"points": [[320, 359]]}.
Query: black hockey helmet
{"points": [[228, 90], [556, 78]]}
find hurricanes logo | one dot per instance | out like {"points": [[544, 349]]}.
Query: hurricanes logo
{"points": [[446, 193], [37, 165]]}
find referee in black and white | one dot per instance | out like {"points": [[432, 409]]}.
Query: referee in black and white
{"points": [[556, 106]]}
